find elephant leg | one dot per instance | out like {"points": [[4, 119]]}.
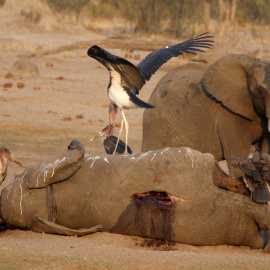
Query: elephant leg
{"points": [[236, 141], [233, 171], [265, 145], [155, 130], [239, 148]]}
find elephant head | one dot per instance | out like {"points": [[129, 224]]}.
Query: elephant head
{"points": [[241, 84], [259, 85]]}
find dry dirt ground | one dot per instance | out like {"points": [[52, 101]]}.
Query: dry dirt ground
{"points": [[40, 115]]}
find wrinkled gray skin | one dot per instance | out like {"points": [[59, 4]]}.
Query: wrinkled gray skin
{"points": [[221, 110], [100, 193]]}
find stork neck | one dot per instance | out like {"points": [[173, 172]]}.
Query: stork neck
{"points": [[4, 164]]}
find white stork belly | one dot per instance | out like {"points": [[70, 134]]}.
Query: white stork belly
{"points": [[118, 95]]}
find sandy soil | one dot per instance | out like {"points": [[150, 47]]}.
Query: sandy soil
{"points": [[40, 115], [29, 250]]}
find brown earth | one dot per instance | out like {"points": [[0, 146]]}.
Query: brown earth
{"points": [[41, 114]]}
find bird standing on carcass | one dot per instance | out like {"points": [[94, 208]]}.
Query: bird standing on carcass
{"points": [[126, 80], [256, 169]]}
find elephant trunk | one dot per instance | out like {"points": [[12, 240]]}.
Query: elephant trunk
{"points": [[267, 109], [268, 118]]}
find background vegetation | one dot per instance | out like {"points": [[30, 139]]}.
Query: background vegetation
{"points": [[174, 17]]}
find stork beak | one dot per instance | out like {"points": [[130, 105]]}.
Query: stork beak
{"points": [[100, 134], [11, 157], [105, 131]]}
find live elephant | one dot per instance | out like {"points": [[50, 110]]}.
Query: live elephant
{"points": [[222, 109]]}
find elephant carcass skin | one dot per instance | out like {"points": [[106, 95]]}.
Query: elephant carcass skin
{"points": [[112, 191]]}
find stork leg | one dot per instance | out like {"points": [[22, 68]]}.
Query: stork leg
{"points": [[127, 129], [112, 115], [119, 134], [124, 120]]}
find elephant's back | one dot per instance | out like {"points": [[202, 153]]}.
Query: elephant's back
{"points": [[173, 84], [181, 114]]}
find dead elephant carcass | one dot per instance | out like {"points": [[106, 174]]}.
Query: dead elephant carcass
{"points": [[165, 194]]}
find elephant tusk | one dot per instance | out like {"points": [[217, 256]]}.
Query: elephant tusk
{"points": [[176, 198], [161, 197]]}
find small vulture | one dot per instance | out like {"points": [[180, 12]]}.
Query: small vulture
{"points": [[257, 173]]}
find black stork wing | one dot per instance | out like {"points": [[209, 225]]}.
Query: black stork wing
{"points": [[153, 61], [135, 77], [131, 77]]}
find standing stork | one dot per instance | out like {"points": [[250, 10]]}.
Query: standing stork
{"points": [[126, 80]]}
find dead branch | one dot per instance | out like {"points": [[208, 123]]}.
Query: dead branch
{"points": [[140, 45]]}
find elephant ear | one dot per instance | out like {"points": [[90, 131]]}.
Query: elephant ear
{"points": [[226, 82], [57, 169]]}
